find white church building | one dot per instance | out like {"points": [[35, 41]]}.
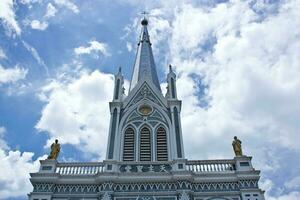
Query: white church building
{"points": [[145, 154]]}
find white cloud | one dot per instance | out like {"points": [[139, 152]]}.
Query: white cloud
{"points": [[94, 47], [268, 185], [14, 175], [3, 144], [77, 111], [51, 11], [7, 14], [15, 168], [68, 4], [237, 75], [289, 196], [293, 183], [28, 2], [2, 54], [36, 24], [36, 55], [252, 90], [11, 75], [129, 46]]}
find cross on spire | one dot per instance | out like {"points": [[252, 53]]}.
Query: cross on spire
{"points": [[144, 13]]}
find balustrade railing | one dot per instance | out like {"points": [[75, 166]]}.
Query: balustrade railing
{"points": [[197, 166], [79, 168], [202, 166]]}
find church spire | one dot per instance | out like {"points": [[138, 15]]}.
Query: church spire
{"points": [[144, 66]]}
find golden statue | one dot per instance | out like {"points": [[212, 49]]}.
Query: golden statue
{"points": [[237, 146], [55, 149]]}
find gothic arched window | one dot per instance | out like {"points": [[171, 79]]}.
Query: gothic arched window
{"points": [[129, 139], [161, 145], [145, 145]]}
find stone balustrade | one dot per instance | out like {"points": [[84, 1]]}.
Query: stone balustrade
{"points": [[196, 166], [91, 168], [203, 166]]}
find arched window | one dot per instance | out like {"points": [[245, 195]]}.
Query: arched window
{"points": [[161, 145], [145, 145], [128, 152]]}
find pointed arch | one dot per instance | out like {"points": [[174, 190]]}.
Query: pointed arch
{"points": [[129, 144], [145, 144], [161, 144]]}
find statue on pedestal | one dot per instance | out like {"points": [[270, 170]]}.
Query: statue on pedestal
{"points": [[55, 149], [237, 146]]}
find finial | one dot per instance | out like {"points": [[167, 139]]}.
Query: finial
{"points": [[120, 69], [144, 22], [170, 68]]}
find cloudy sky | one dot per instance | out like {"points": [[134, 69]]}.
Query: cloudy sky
{"points": [[238, 67]]}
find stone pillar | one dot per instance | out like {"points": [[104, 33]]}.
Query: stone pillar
{"points": [[111, 166], [179, 165], [48, 166], [243, 163]]}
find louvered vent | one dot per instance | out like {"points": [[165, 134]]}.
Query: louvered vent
{"points": [[145, 145], [161, 145], [128, 153]]}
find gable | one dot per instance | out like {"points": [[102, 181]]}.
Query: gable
{"points": [[145, 91]]}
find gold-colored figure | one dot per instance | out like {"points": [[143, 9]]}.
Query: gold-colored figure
{"points": [[55, 149], [237, 146]]}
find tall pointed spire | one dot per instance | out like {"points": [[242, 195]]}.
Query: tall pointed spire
{"points": [[144, 66]]}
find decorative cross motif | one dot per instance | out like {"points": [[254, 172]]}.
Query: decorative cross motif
{"points": [[144, 13], [151, 168], [127, 168], [139, 168], [163, 168]]}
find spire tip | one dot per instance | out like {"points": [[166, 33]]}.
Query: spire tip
{"points": [[144, 22]]}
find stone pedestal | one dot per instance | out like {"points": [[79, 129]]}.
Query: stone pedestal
{"points": [[243, 163], [111, 166], [48, 166], [179, 165]]}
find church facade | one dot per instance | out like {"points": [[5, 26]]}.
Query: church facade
{"points": [[145, 155]]}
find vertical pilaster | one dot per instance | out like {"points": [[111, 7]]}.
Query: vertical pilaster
{"points": [[115, 110], [175, 107], [119, 86], [171, 89]]}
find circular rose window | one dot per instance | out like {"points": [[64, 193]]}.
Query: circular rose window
{"points": [[145, 109]]}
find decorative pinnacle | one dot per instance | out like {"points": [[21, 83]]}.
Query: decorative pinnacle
{"points": [[170, 68], [144, 22], [120, 69]]}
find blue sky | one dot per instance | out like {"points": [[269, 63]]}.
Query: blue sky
{"points": [[238, 68]]}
